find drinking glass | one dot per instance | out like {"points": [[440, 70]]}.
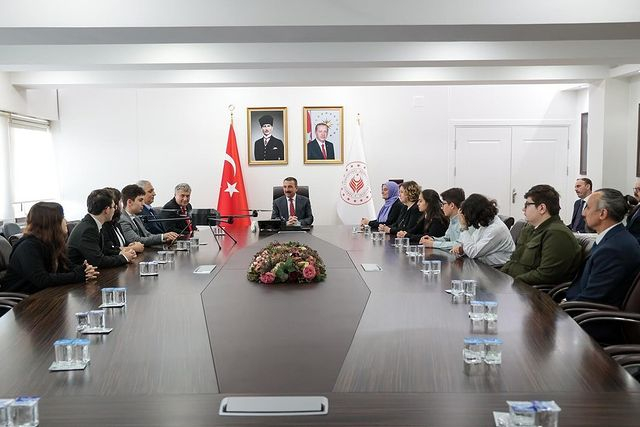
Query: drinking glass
{"points": [[96, 319], [83, 320], [472, 352], [80, 350], [456, 287], [426, 266], [492, 351], [62, 350], [491, 311], [470, 287], [120, 295], [24, 411], [476, 310], [107, 296], [435, 266]]}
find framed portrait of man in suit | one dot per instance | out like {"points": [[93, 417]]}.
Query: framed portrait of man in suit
{"points": [[267, 136], [323, 135]]}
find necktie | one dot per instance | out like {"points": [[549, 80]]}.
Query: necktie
{"points": [[292, 210], [324, 152], [266, 141], [189, 228]]}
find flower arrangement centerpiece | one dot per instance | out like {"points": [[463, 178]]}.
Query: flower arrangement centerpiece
{"points": [[289, 262]]}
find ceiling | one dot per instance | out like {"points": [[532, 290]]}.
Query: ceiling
{"points": [[168, 43]]}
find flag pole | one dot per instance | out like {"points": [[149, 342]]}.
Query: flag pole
{"points": [[231, 108]]}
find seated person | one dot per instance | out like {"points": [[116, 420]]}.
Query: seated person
{"points": [[86, 242], [291, 207], [390, 211], [131, 225], [152, 226], [112, 234], [614, 262], [547, 251], [179, 207], [39, 258], [409, 215], [432, 220], [452, 199], [484, 235]]}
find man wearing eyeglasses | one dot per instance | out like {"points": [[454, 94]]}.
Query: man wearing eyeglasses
{"points": [[546, 251], [85, 241]]}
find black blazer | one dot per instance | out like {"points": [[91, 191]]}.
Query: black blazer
{"points": [[407, 220], [30, 269], [274, 150], [85, 242], [315, 153], [303, 209], [580, 226], [111, 244], [434, 228], [394, 214], [152, 227], [633, 222], [171, 209]]}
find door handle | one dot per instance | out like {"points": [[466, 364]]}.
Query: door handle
{"points": [[513, 196]]}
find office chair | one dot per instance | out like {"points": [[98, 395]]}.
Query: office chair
{"points": [[516, 228], [303, 190], [11, 228], [5, 253], [508, 220]]}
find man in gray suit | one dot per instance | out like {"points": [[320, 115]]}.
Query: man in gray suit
{"points": [[293, 208], [132, 226]]}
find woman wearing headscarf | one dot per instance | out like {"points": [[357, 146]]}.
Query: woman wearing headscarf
{"points": [[390, 211], [409, 215]]}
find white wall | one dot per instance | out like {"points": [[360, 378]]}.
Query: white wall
{"points": [[115, 136]]}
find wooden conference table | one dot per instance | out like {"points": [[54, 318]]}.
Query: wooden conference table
{"points": [[384, 347]]}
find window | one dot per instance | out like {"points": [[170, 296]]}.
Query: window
{"points": [[33, 167]]}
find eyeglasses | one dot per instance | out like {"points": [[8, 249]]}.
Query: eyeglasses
{"points": [[528, 204], [112, 206], [636, 188]]}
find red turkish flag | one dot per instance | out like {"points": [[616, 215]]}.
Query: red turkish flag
{"points": [[232, 199]]}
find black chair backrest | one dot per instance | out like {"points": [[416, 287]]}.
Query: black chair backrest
{"points": [[508, 220], [14, 239], [631, 302], [303, 190]]}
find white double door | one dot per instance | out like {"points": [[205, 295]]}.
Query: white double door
{"points": [[503, 162]]}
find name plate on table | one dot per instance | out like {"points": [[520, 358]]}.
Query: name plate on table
{"points": [[204, 269], [265, 406], [371, 267]]}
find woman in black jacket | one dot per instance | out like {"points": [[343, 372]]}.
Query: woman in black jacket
{"points": [[39, 259], [390, 211], [409, 216], [432, 221]]}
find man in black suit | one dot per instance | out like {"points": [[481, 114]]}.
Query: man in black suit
{"points": [[179, 207], [147, 210], [86, 242], [320, 148], [633, 219], [268, 147], [293, 208], [583, 189], [615, 257]]}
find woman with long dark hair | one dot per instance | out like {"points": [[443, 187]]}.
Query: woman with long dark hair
{"points": [[39, 259], [484, 236], [432, 222]]}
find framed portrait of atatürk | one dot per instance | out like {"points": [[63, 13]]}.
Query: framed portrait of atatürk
{"points": [[323, 135], [267, 136]]}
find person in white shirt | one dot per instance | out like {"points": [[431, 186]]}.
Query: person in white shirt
{"points": [[452, 199], [484, 236]]}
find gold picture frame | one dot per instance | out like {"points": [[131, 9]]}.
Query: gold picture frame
{"points": [[332, 120], [275, 149]]}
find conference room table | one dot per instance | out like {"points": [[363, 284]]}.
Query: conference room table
{"points": [[384, 347]]}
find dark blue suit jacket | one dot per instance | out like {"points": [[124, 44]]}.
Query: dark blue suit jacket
{"points": [[633, 222], [580, 227], [152, 227], [303, 209], [609, 271], [315, 153]]}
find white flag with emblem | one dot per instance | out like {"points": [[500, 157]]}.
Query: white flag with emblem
{"points": [[355, 201]]}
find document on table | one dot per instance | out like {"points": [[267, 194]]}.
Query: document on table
{"points": [[371, 267]]}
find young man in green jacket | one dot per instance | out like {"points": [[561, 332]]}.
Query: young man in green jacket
{"points": [[547, 251]]}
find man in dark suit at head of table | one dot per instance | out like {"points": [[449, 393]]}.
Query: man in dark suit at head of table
{"points": [[291, 207], [268, 147]]}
